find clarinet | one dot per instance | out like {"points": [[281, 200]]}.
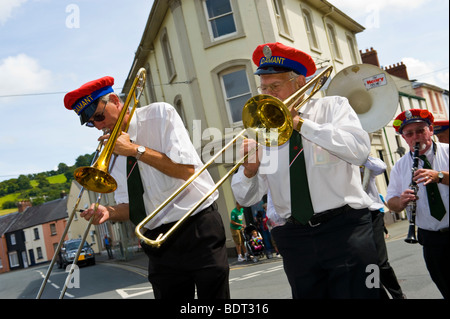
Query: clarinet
{"points": [[412, 205]]}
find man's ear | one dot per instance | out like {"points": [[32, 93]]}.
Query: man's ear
{"points": [[301, 80], [113, 98]]}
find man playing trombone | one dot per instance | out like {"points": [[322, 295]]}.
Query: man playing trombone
{"points": [[324, 237], [155, 157]]}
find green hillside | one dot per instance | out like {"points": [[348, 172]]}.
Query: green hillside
{"points": [[39, 192]]}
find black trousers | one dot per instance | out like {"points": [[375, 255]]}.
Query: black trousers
{"points": [[330, 260], [436, 252], [387, 274], [195, 257]]}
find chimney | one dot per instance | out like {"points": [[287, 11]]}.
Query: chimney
{"points": [[23, 205], [398, 70], [370, 57]]}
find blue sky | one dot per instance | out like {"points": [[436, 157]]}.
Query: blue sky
{"points": [[49, 47]]}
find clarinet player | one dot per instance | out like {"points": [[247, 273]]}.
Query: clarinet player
{"points": [[432, 199]]}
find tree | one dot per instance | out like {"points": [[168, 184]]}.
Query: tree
{"points": [[84, 160], [23, 182], [42, 180], [62, 168]]}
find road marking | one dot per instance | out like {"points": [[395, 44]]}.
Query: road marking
{"points": [[256, 273], [128, 293], [54, 285]]}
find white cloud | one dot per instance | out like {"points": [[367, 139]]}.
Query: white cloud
{"points": [[7, 7], [22, 74], [370, 13], [359, 7], [427, 72]]}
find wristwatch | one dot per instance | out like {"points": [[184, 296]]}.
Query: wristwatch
{"points": [[441, 177], [140, 151]]}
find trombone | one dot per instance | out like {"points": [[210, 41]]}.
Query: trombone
{"points": [[96, 177], [261, 115]]}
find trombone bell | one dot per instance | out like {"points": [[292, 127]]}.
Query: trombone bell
{"points": [[262, 114], [95, 179]]}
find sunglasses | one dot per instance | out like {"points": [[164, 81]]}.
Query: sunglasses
{"points": [[97, 118]]}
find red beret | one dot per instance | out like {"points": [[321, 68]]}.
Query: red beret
{"points": [[81, 99], [276, 57], [412, 116]]}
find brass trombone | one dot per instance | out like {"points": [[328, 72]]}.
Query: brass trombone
{"points": [[261, 115], [96, 177]]}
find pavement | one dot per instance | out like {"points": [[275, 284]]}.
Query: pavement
{"points": [[397, 230]]}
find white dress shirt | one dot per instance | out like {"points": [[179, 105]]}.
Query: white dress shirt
{"points": [[159, 127], [376, 167], [335, 145], [400, 180]]}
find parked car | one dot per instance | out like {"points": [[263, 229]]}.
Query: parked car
{"points": [[69, 250]]}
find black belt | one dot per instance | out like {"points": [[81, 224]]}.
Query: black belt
{"points": [[322, 217]]}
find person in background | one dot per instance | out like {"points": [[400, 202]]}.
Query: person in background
{"points": [[236, 227], [107, 242], [432, 198], [371, 169], [440, 129]]}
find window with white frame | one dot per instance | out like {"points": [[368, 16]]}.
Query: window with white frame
{"points": [[333, 41], [220, 18], [309, 27], [150, 85], [236, 89], [13, 259], [280, 14], [352, 49], [168, 56], [53, 229]]}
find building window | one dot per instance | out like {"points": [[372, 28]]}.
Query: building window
{"points": [[39, 253], [36, 233], [13, 239], [168, 57], [220, 18], [236, 89], [53, 229], [150, 86], [219, 21], [13, 259], [438, 100], [179, 107], [352, 49], [280, 15], [309, 27], [333, 41]]}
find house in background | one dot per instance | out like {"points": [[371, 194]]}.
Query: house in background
{"points": [[33, 235], [5, 223], [436, 97]]}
